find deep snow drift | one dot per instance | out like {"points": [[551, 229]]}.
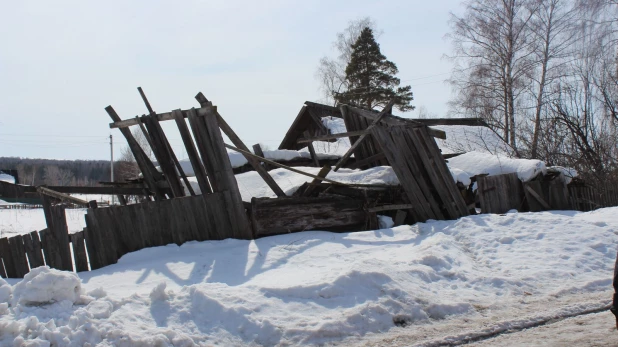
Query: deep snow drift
{"points": [[319, 287]]}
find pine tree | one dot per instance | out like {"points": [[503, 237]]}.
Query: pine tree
{"points": [[371, 77]]}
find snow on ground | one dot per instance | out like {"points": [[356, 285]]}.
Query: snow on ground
{"points": [[322, 288], [18, 221]]}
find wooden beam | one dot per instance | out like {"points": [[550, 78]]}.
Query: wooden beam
{"points": [[163, 155], [274, 163], [347, 154], [141, 93], [227, 130], [159, 116], [311, 187], [332, 136], [61, 196], [151, 175], [314, 156], [390, 207]]}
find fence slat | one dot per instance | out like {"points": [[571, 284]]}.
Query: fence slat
{"points": [[18, 252], [79, 251]]}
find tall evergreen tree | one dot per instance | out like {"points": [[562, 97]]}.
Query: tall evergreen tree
{"points": [[371, 77]]}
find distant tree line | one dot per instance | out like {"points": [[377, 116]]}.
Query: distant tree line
{"points": [[58, 172]]}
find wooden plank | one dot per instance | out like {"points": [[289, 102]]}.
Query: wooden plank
{"points": [[285, 215], [225, 175], [400, 217], [151, 175], [533, 196], [9, 263], [163, 155], [18, 253], [314, 156], [93, 242], [2, 271], [558, 195], [198, 167], [79, 251], [56, 240], [421, 211], [390, 208], [323, 172], [309, 138], [419, 173], [200, 134], [500, 193], [380, 116], [61, 196], [32, 244], [442, 170]]}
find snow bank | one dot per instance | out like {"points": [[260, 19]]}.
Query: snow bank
{"points": [[7, 178], [315, 288], [567, 173], [477, 163], [43, 285]]}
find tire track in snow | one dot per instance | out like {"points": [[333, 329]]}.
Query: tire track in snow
{"points": [[509, 327]]}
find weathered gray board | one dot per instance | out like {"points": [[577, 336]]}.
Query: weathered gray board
{"points": [[370, 148], [500, 193], [115, 231], [55, 239], [292, 214], [422, 172]]}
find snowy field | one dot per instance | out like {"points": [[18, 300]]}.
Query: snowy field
{"points": [[16, 221], [428, 284]]}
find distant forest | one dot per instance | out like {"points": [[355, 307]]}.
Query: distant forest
{"points": [[58, 172]]}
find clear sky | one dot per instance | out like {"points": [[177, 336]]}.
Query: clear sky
{"points": [[63, 62]]}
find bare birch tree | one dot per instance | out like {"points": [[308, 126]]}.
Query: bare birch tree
{"points": [[493, 55]]}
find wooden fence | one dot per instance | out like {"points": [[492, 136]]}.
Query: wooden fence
{"points": [[500, 193]]}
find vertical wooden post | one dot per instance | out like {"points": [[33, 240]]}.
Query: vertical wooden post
{"points": [[314, 156], [56, 240]]}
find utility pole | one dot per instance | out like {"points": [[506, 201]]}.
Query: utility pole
{"points": [[111, 150]]}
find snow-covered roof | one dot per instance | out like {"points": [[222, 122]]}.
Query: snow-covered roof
{"points": [[7, 178]]}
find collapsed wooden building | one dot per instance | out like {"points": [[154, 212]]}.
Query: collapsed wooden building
{"points": [[175, 211]]}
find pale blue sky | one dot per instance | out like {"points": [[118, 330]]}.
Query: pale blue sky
{"points": [[63, 62]]}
